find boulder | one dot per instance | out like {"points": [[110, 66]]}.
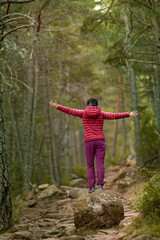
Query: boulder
{"points": [[79, 182], [98, 209], [50, 192]]}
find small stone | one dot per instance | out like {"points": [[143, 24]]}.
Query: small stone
{"points": [[74, 192], [73, 176], [21, 227], [31, 203], [50, 238], [116, 168], [23, 235], [73, 237], [50, 192], [123, 184], [43, 186], [30, 196], [79, 182]]}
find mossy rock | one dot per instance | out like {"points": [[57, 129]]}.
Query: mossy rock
{"points": [[97, 210]]}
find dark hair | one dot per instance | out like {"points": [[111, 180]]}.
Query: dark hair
{"points": [[92, 102]]}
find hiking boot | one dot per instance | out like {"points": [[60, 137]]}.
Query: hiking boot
{"points": [[100, 187], [91, 190]]}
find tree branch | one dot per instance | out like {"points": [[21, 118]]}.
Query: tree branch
{"points": [[15, 14], [149, 53], [12, 1], [141, 61], [138, 18], [143, 4], [15, 29], [140, 31], [11, 20], [157, 133], [40, 13]]}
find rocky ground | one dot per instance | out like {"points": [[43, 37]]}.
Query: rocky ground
{"points": [[48, 217]]}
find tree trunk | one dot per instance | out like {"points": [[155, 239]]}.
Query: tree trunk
{"points": [[124, 128], [5, 195], [157, 97], [66, 149], [12, 107], [57, 172], [116, 121], [74, 145], [29, 122], [49, 137], [155, 25], [134, 96], [131, 146], [157, 106], [34, 113], [82, 147], [66, 135]]}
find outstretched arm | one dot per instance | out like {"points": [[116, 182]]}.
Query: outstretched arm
{"points": [[70, 111], [111, 116]]}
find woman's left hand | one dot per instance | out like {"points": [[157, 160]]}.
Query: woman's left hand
{"points": [[133, 114]]}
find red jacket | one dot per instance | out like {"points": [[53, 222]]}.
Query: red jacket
{"points": [[93, 119]]}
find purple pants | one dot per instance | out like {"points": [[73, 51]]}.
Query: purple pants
{"points": [[96, 147]]}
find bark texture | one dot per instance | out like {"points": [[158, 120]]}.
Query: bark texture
{"points": [[5, 195]]}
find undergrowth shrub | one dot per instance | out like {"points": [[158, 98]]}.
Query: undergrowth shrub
{"points": [[149, 139], [148, 202]]}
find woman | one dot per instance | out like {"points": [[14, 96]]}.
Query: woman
{"points": [[93, 119]]}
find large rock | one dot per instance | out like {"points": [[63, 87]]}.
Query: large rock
{"points": [[50, 192], [98, 209]]}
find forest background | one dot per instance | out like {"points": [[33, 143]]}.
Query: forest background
{"points": [[69, 51]]}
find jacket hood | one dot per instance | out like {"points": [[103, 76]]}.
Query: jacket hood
{"points": [[93, 111]]}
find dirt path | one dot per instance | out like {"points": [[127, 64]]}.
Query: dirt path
{"points": [[53, 219]]}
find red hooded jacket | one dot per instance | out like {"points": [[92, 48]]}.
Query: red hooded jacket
{"points": [[93, 119]]}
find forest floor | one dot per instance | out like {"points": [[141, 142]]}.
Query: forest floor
{"points": [[53, 219]]}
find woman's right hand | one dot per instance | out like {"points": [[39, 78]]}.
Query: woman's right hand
{"points": [[53, 104]]}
